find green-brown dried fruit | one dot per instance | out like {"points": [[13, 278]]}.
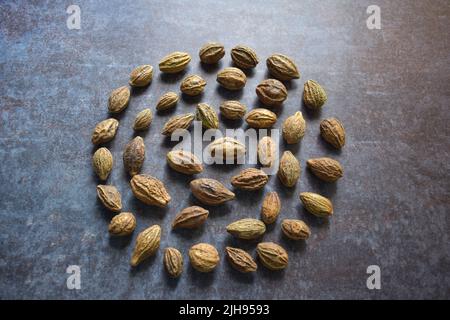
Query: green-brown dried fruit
{"points": [[272, 256], [182, 121], [193, 85], [325, 169], [282, 67], [167, 101], [134, 155], [147, 243], [232, 78], [211, 52], [267, 152], [250, 179], [247, 229], [208, 116], [244, 57], [118, 100], [184, 162], [271, 207], [143, 120], [226, 147], [190, 218], [141, 76], [149, 190], [105, 131], [295, 229], [174, 62], [110, 197], [210, 191], [102, 161], [294, 128], [204, 257], [261, 118], [271, 92], [173, 262], [232, 110], [314, 95], [316, 204], [289, 169], [333, 132], [123, 224], [240, 260]]}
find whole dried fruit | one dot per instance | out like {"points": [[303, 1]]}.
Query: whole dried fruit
{"points": [[271, 207], [118, 100], [211, 52], [143, 120], [282, 67], [314, 95], [316, 204], [240, 260], [232, 78], [173, 262], [134, 155], [332, 131], [193, 85], [102, 161], [149, 190], [250, 179], [147, 243], [271, 92], [210, 191], [190, 218], [326, 169], [226, 147], [208, 116], [260, 118], [289, 169], [204, 257], [110, 197], [141, 76], [272, 256], [167, 101], [122, 225], [244, 57], [247, 229], [184, 162], [294, 128], [295, 229], [182, 121], [105, 131], [232, 110], [267, 152], [174, 62]]}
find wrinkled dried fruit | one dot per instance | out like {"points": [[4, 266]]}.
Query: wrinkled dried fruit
{"points": [[210, 191], [326, 169], [314, 95], [208, 116], [118, 100], [184, 162], [332, 131], [141, 76], [173, 262], [267, 152], [316, 204], [289, 169], [294, 128], [102, 161], [261, 118], [182, 121], [147, 243], [271, 207], [134, 155], [149, 190], [247, 229], [226, 147], [167, 101], [204, 257], [211, 52], [231, 78], [240, 260], [190, 218], [271, 92], [193, 85], [244, 57], [282, 67], [174, 62], [272, 256], [232, 110], [105, 131], [122, 225], [295, 229], [143, 120], [110, 197], [250, 179]]}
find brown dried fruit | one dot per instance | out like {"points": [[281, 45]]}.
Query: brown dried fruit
{"points": [[167, 101], [282, 67], [118, 100], [294, 128], [182, 121], [232, 110], [244, 57], [271, 92], [208, 116], [147, 243], [332, 131], [210, 191], [272, 256], [240, 260], [226, 147], [141, 76], [204, 257], [193, 85], [314, 95], [143, 120], [271, 207], [149, 190], [110, 197], [174, 62], [289, 169], [184, 162], [232, 78], [316, 204], [105, 131], [173, 262], [102, 161], [134, 155], [295, 229], [211, 52], [123, 224], [267, 152], [190, 218], [247, 229], [326, 169], [260, 118], [250, 179]]}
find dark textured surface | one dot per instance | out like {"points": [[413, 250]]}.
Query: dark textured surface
{"points": [[389, 87]]}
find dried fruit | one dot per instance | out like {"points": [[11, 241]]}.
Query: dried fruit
{"points": [[282, 67], [294, 128], [143, 120], [316, 204], [231, 78], [267, 152], [271, 207], [149, 190], [204, 257], [271, 92], [173, 262], [210, 191], [134, 155], [240, 260], [118, 100], [260, 118], [250, 179], [167, 101], [182, 121], [272, 256], [102, 161], [332, 131], [190, 218], [147, 243], [289, 169], [110, 197], [232, 110], [208, 116], [123, 224], [141, 76], [295, 229], [226, 147], [244, 57], [174, 62], [314, 95], [211, 52], [105, 131], [326, 169], [247, 229], [192, 85], [184, 162]]}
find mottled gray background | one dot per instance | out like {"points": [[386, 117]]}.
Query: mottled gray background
{"points": [[389, 87]]}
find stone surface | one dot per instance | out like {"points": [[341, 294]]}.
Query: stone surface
{"points": [[389, 87]]}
